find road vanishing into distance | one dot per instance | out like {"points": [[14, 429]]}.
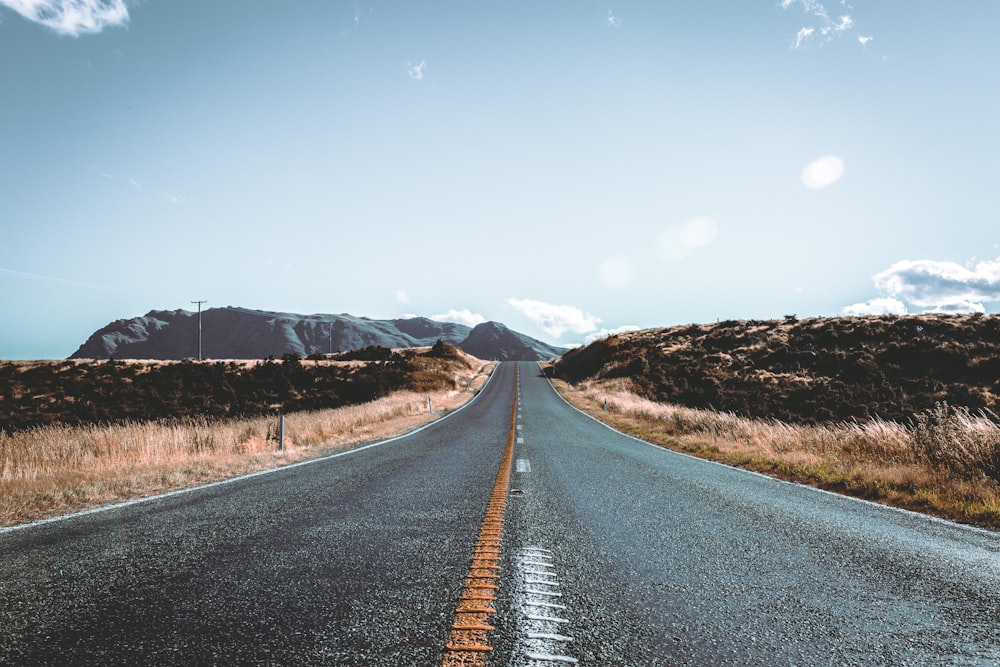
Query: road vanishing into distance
{"points": [[613, 552]]}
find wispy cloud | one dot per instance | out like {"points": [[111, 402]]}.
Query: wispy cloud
{"points": [[72, 17], [821, 24], [402, 296], [416, 72], [152, 192], [823, 172], [613, 20], [176, 200], [464, 316], [935, 286], [679, 241], [77, 283], [843, 24], [555, 320], [803, 35], [54, 279], [355, 23]]}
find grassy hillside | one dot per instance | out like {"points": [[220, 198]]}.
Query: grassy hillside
{"points": [[809, 370], [899, 410]]}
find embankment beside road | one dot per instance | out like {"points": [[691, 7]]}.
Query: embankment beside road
{"points": [[930, 466], [55, 469]]}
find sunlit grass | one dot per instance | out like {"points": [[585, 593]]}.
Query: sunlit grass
{"points": [[49, 470], [945, 463]]}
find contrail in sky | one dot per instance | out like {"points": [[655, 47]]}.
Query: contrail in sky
{"points": [[75, 283]]}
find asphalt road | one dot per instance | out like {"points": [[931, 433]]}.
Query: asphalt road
{"points": [[615, 553], [356, 560], [663, 559]]}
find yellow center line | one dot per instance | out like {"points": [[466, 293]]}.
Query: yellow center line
{"points": [[468, 641]]}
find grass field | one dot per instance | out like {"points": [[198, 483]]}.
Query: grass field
{"points": [[51, 470]]}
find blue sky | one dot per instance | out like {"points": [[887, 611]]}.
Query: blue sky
{"points": [[567, 168]]}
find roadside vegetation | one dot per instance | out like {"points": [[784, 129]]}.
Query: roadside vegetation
{"points": [[814, 370], [919, 432], [57, 467], [79, 392]]}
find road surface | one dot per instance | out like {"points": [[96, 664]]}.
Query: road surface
{"points": [[615, 552]]}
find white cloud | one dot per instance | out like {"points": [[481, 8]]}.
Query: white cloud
{"points": [[555, 320], [402, 296], [821, 25], [802, 36], [464, 316], [679, 241], [72, 17], [604, 333], [176, 200], [135, 183], [416, 72], [823, 172], [864, 39], [616, 271], [613, 21], [813, 7], [845, 23], [942, 286], [883, 306], [960, 307]]}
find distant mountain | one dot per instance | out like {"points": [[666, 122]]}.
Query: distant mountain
{"points": [[240, 333], [493, 340]]}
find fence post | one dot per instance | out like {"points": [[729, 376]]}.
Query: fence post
{"points": [[430, 406], [281, 433]]}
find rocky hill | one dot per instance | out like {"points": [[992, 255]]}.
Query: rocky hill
{"points": [[809, 370], [240, 333], [493, 340]]}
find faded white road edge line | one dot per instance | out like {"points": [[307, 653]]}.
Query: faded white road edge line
{"points": [[927, 517]]}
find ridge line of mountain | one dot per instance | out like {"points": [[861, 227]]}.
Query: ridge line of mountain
{"points": [[234, 332]]}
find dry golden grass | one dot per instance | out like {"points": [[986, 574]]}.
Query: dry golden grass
{"points": [[936, 469], [52, 470]]}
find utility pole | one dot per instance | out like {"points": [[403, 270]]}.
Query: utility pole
{"points": [[199, 326], [331, 337]]}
